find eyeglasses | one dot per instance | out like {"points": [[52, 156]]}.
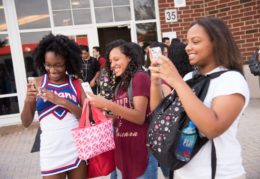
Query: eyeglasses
{"points": [[56, 67]]}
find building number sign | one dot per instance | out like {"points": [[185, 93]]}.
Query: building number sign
{"points": [[171, 15]]}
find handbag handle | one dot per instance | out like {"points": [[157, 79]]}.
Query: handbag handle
{"points": [[98, 116], [84, 119]]}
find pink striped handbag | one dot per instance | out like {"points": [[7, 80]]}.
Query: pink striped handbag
{"points": [[92, 140]]}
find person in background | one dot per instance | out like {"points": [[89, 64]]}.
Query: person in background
{"points": [[96, 53], [5, 88], [163, 47], [146, 59], [179, 58], [90, 68], [107, 81], [259, 62], [254, 64], [103, 86], [131, 153], [175, 40], [166, 41], [211, 48], [59, 106], [141, 53]]}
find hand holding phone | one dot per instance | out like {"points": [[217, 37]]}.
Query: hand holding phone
{"points": [[156, 52], [87, 88], [32, 82], [32, 90]]}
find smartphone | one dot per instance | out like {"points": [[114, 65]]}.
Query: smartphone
{"points": [[32, 81], [86, 87], [156, 52]]}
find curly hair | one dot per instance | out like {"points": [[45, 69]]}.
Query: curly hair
{"points": [[60, 45], [132, 51]]}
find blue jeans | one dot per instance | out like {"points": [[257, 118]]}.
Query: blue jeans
{"points": [[150, 172], [113, 175], [165, 171]]}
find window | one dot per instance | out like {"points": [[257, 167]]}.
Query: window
{"points": [[145, 21], [2, 19], [144, 9], [71, 12], [8, 98], [32, 14], [7, 79], [146, 32], [112, 11]]}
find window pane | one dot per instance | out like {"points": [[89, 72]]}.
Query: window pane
{"points": [[30, 41], [62, 18], [4, 40], [122, 13], [82, 16], [7, 79], [80, 4], [32, 14], [144, 9], [32, 37], [146, 32], [121, 2], [102, 3], [104, 15], [60, 4], [9, 105], [2, 18]]}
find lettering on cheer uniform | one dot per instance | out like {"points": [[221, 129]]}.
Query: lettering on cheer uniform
{"points": [[66, 95]]}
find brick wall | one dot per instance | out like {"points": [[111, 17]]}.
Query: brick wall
{"points": [[242, 17]]}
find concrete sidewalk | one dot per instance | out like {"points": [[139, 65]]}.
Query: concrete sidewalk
{"points": [[17, 162]]}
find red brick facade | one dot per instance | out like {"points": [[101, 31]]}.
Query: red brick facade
{"points": [[242, 17]]}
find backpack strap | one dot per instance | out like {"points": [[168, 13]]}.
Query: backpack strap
{"points": [[213, 160], [130, 94], [129, 90], [207, 82], [216, 74]]}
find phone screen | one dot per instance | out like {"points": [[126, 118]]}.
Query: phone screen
{"points": [[156, 52], [86, 87], [32, 81]]}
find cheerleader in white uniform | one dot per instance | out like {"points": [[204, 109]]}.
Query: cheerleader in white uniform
{"points": [[58, 103]]}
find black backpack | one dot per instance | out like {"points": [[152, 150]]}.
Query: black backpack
{"points": [[171, 115]]}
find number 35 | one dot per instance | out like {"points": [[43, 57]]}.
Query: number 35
{"points": [[171, 15]]}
